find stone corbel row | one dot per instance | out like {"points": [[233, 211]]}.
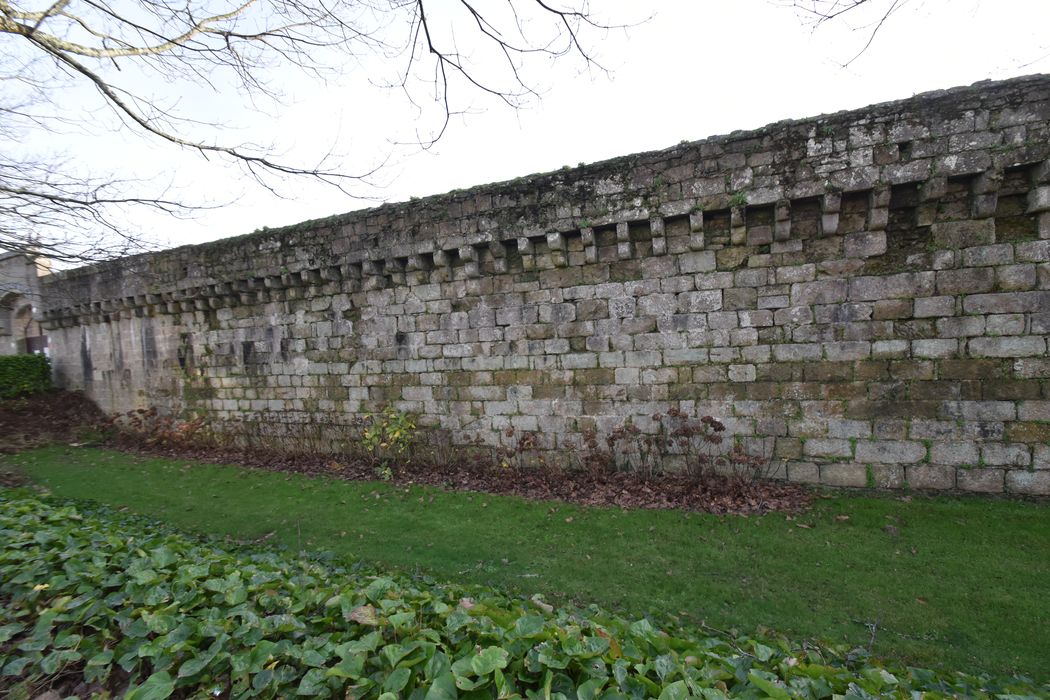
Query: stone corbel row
{"points": [[378, 272]]}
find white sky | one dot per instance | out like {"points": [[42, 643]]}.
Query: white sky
{"points": [[697, 68]]}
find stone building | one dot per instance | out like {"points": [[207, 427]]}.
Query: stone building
{"points": [[20, 329]]}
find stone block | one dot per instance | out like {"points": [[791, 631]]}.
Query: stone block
{"points": [[978, 256], [657, 305], [934, 348], [797, 352], [742, 373], [1035, 483], [796, 274], [905, 284], [1032, 251], [960, 326], [1016, 277], [1019, 302], [890, 451], [955, 453], [927, 307], [1034, 410], [980, 480], [980, 410], [1012, 324], [1010, 455], [843, 428], [847, 350], [963, 234], [865, 244], [970, 280], [701, 261], [892, 309], [844, 474], [829, 291], [1041, 456], [697, 302], [930, 477], [1039, 199], [756, 319], [739, 298], [889, 348], [803, 472], [793, 316], [827, 447], [1009, 346]]}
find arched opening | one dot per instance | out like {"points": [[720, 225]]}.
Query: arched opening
{"points": [[20, 330]]}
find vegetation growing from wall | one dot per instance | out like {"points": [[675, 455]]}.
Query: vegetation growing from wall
{"points": [[96, 601], [24, 374]]}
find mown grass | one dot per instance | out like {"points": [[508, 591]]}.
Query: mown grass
{"points": [[941, 582]]}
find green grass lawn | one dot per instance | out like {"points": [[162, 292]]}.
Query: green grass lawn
{"points": [[940, 582]]}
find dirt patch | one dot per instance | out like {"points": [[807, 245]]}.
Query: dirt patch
{"points": [[711, 493], [45, 418]]}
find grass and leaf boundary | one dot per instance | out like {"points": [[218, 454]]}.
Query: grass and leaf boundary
{"points": [[97, 602], [946, 583]]}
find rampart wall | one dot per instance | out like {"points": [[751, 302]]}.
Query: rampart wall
{"points": [[864, 297]]}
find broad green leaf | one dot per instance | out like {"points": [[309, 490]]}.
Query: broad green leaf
{"points": [[675, 691], [9, 631], [313, 682], [442, 688], [14, 667], [490, 659], [768, 685], [397, 680], [349, 667], [378, 589], [193, 666], [529, 626], [157, 687], [588, 690]]}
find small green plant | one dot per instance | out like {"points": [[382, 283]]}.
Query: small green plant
{"points": [[24, 374], [389, 433], [738, 199]]}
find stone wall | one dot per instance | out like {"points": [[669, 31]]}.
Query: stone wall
{"points": [[864, 297]]}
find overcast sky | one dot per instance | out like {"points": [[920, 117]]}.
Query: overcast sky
{"points": [[694, 69]]}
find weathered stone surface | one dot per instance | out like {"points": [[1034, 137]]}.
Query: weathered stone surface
{"points": [[1024, 346], [886, 476], [905, 284], [930, 477], [890, 451], [962, 234], [955, 453], [980, 480], [1011, 455], [1028, 483], [822, 447], [844, 474]]}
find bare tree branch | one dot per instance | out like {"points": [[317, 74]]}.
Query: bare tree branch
{"points": [[819, 12], [54, 45]]}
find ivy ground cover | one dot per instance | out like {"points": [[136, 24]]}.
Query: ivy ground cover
{"points": [[931, 582], [96, 603]]}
